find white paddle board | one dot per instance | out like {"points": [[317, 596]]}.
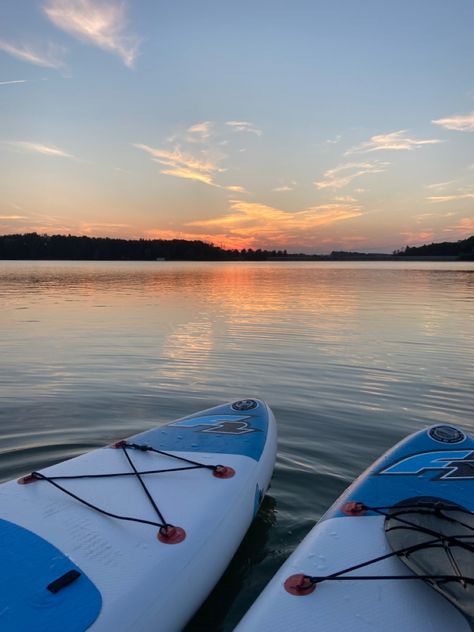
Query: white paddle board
{"points": [[395, 552], [133, 537]]}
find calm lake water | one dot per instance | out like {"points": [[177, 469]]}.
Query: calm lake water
{"points": [[350, 356]]}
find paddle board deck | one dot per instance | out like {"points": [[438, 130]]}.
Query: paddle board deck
{"points": [[427, 472], [134, 536]]}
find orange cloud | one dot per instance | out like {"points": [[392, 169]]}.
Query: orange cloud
{"points": [[252, 223], [464, 227], [420, 237], [183, 165]]}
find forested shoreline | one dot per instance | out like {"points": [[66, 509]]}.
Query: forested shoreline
{"points": [[83, 248]]}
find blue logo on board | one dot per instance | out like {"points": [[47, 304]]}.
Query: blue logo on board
{"points": [[452, 464], [219, 424]]}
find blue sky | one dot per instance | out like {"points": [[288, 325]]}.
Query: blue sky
{"points": [[308, 125]]}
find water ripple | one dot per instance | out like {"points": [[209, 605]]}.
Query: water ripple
{"points": [[350, 356]]}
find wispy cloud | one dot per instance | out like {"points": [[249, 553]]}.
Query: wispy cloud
{"points": [[396, 141], [465, 226], [33, 222], [101, 23], [283, 189], [451, 198], [453, 226], [196, 152], [414, 238], [236, 188], [457, 122], [37, 148], [49, 56], [289, 186], [440, 185], [334, 141], [345, 198], [183, 165], [99, 227], [42, 223], [344, 174], [200, 131], [8, 83], [244, 126], [422, 218]]}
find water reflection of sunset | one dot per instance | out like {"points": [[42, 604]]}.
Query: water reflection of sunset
{"points": [[186, 316]]}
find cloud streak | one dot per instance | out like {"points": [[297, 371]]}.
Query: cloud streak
{"points": [[49, 56], [100, 23], [183, 165], [457, 122], [244, 126], [9, 83], [395, 141], [200, 131], [344, 174], [283, 189], [236, 188], [37, 148], [440, 185], [451, 198]]}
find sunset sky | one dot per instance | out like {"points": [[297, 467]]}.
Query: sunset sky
{"points": [[307, 125]]}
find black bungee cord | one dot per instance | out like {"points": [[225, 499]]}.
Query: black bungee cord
{"points": [[302, 584], [167, 532]]}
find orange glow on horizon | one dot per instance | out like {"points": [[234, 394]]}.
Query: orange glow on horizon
{"points": [[228, 242]]}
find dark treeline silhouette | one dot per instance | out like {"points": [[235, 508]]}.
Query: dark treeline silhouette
{"points": [[463, 249], [34, 246], [70, 247]]}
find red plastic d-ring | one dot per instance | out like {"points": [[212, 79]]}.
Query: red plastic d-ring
{"points": [[299, 585], [170, 534], [118, 444], [223, 471], [26, 480], [354, 508]]}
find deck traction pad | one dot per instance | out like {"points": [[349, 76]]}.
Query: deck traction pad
{"points": [[29, 564]]}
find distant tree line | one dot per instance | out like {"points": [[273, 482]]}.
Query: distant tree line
{"points": [[463, 249], [35, 246], [70, 247]]}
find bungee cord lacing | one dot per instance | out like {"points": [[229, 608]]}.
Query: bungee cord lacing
{"points": [[302, 584], [167, 532]]}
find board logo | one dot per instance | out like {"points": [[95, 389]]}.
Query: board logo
{"points": [[244, 404], [219, 424], [451, 464], [446, 434]]}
